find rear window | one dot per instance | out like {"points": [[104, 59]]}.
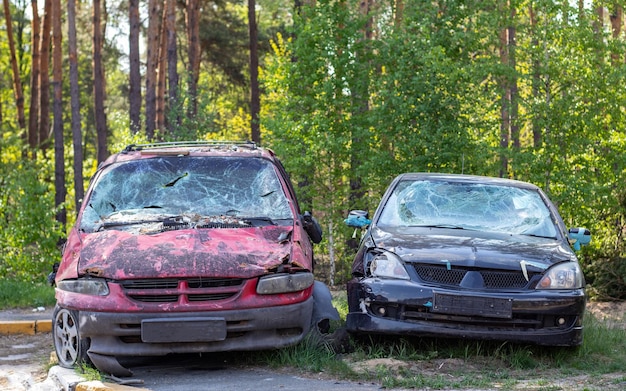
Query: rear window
{"points": [[182, 185]]}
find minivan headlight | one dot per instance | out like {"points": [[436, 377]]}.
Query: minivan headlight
{"points": [[284, 283], [94, 287], [566, 275], [388, 265]]}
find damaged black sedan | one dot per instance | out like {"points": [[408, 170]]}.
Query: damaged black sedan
{"points": [[467, 257]]}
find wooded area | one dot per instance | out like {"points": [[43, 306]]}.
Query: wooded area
{"points": [[349, 94]]}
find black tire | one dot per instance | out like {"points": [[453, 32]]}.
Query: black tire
{"points": [[70, 348]]}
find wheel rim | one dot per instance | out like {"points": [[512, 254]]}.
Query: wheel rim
{"points": [[66, 340]]}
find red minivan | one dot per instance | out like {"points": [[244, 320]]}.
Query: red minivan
{"points": [[187, 247]]}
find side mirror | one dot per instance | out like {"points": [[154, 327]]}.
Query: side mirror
{"points": [[579, 237], [312, 227], [357, 219]]}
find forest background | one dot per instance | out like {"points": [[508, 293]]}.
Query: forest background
{"points": [[347, 93]]}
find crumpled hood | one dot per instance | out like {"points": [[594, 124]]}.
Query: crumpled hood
{"points": [[240, 253], [472, 248]]}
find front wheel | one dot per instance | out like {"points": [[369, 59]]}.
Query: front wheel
{"points": [[70, 348]]}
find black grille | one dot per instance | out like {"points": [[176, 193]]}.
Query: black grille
{"points": [[178, 290], [493, 279], [440, 275]]}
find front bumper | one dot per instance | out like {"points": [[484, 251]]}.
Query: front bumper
{"points": [[405, 308], [156, 334]]}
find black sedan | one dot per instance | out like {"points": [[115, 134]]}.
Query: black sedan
{"points": [[467, 257]]}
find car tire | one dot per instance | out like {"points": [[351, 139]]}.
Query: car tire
{"points": [[70, 348]]}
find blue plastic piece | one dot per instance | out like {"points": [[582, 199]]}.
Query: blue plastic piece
{"points": [[579, 237], [357, 219]]}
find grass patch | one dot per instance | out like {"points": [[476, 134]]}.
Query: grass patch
{"points": [[20, 294]]}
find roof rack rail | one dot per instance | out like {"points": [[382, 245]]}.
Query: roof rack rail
{"points": [[176, 144]]}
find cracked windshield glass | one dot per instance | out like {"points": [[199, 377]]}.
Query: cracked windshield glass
{"points": [[180, 190], [471, 206]]}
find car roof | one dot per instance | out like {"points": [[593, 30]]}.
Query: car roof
{"points": [[191, 148], [463, 178]]}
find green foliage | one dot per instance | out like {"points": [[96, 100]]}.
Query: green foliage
{"points": [[29, 233], [425, 94], [20, 294]]}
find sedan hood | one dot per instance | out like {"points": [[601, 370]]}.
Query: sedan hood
{"points": [[240, 253], [471, 248]]}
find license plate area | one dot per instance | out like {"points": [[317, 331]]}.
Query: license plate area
{"points": [[183, 330], [489, 307]]}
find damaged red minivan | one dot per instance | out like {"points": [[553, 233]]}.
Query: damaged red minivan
{"points": [[183, 248]]}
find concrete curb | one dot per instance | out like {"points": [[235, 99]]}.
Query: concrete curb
{"points": [[29, 327]]}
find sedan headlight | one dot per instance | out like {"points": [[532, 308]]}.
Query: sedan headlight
{"points": [[388, 265], [566, 275], [95, 287], [283, 283]]}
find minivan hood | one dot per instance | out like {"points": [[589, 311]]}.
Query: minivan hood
{"points": [[239, 253], [472, 248]]}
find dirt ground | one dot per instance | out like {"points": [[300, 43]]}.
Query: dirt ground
{"points": [[613, 313], [26, 359]]}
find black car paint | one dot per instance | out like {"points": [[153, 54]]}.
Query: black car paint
{"points": [[405, 307]]}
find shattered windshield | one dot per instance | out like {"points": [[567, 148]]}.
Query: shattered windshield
{"points": [[148, 189], [472, 206]]}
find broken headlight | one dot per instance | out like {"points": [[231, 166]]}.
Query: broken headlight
{"points": [[566, 275], [388, 265], [94, 287], [283, 283]]}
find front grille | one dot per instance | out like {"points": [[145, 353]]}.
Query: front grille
{"points": [[168, 290], [440, 275], [492, 279], [497, 280]]}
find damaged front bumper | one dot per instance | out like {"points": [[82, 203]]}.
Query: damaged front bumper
{"points": [[397, 307], [156, 334]]}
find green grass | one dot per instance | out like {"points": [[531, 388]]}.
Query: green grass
{"points": [[19, 294]]}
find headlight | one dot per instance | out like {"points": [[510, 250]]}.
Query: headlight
{"points": [[283, 283], [93, 287], [566, 275], [388, 265]]}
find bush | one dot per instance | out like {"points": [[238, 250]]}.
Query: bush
{"points": [[29, 232]]}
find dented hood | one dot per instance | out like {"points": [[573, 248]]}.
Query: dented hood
{"points": [[239, 253], [472, 248]]}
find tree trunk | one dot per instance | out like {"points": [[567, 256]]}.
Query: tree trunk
{"points": [[360, 104], [511, 47], [255, 99], [161, 72], [17, 84], [617, 19], [135, 74], [98, 85], [44, 78], [77, 138], [152, 61], [172, 62], [193, 42], [57, 81], [536, 80], [33, 113], [505, 100], [399, 12]]}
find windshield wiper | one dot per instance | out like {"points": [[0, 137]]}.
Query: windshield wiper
{"points": [[263, 220], [122, 223], [448, 226], [258, 220]]}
